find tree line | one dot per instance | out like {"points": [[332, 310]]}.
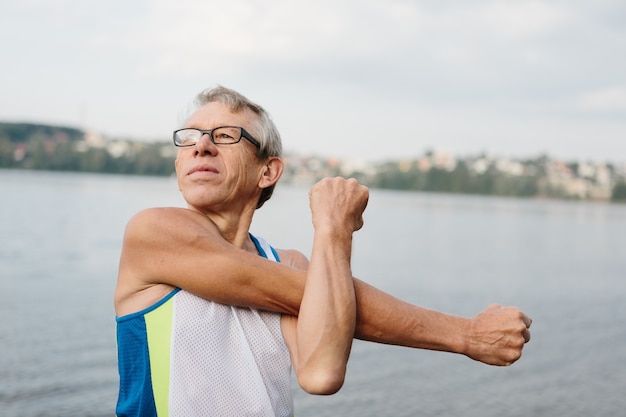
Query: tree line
{"points": [[458, 180], [45, 147], [462, 179]]}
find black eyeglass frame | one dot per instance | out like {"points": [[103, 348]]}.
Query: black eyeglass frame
{"points": [[244, 134]]}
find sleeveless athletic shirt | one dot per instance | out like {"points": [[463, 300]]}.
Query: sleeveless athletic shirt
{"points": [[187, 356]]}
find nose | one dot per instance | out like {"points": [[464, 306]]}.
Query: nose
{"points": [[205, 146]]}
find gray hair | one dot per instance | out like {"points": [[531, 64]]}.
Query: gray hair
{"points": [[264, 131]]}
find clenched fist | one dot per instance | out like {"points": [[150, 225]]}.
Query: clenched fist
{"points": [[497, 335], [337, 205]]}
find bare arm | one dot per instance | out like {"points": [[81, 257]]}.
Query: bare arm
{"points": [[174, 247], [182, 248], [320, 338]]}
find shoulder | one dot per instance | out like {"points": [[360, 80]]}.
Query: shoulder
{"points": [[167, 224], [165, 216], [165, 233], [154, 240], [293, 258]]}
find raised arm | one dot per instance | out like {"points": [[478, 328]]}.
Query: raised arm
{"points": [[181, 248], [320, 338]]}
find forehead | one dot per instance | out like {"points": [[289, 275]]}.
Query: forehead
{"points": [[216, 114]]}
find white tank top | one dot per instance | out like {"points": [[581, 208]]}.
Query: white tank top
{"points": [[227, 361]]}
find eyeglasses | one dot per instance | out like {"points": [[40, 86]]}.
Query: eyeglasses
{"points": [[223, 135]]}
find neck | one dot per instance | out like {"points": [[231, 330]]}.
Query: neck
{"points": [[234, 226]]}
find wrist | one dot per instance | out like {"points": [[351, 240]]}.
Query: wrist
{"points": [[464, 339], [454, 334], [334, 232], [334, 242]]}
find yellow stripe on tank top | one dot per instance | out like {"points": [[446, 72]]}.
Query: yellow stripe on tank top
{"points": [[159, 330]]}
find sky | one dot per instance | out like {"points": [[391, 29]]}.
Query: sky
{"points": [[363, 79]]}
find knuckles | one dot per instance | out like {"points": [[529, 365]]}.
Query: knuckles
{"points": [[339, 199]]}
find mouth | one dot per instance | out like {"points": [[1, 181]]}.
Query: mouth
{"points": [[200, 169]]}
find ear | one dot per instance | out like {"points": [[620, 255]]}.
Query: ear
{"points": [[272, 170]]}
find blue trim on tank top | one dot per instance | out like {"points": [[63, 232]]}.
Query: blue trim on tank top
{"points": [[159, 303], [148, 309], [260, 249]]}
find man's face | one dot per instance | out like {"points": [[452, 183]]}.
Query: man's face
{"points": [[215, 178]]}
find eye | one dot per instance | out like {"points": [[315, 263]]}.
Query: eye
{"points": [[188, 136], [226, 135], [222, 135]]}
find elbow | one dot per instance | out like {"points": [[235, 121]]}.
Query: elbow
{"points": [[322, 381]]}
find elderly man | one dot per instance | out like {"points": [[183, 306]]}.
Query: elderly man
{"points": [[211, 318]]}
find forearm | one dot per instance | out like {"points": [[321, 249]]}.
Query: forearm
{"points": [[326, 321], [384, 318]]}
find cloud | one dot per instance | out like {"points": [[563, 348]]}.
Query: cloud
{"points": [[518, 20], [437, 52], [610, 99], [456, 72], [236, 35]]}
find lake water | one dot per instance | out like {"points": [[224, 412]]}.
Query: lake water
{"points": [[564, 263]]}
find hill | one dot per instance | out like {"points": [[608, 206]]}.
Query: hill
{"points": [[60, 148], [23, 132]]}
